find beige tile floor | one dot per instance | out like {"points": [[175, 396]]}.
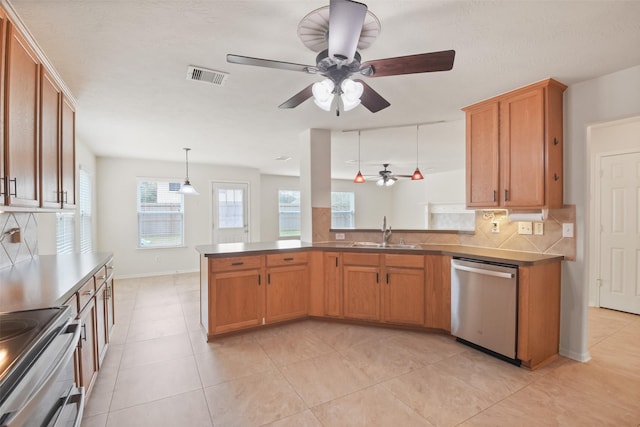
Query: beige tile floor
{"points": [[159, 371]]}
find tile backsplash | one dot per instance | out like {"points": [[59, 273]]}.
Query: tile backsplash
{"points": [[27, 247], [550, 242]]}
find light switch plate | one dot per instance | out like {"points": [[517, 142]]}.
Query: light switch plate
{"points": [[524, 227], [567, 229], [339, 236], [538, 228], [495, 226]]}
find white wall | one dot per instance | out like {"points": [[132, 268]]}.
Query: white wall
{"points": [[117, 220], [606, 98], [270, 184], [411, 197]]}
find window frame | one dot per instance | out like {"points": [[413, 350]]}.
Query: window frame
{"points": [[140, 235]]}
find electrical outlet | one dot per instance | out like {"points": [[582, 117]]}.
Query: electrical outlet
{"points": [[495, 227], [339, 236], [567, 229], [524, 227], [538, 228]]}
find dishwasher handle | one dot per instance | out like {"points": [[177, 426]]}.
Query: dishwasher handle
{"points": [[493, 273]]}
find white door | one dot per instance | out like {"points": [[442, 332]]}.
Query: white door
{"points": [[230, 212], [619, 257]]}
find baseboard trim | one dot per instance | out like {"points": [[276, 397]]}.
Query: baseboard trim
{"points": [[580, 357]]}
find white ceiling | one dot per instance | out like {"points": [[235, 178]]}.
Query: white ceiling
{"points": [[126, 61]]}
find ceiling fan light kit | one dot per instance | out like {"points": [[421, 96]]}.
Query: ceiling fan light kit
{"points": [[349, 26]]}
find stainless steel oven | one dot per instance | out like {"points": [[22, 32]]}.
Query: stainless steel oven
{"points": [[37, 369]]}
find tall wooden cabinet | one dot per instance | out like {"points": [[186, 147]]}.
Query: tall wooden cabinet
{"points": [[515, 149]]}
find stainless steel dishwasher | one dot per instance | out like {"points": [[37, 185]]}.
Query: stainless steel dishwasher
{"points": [[484, 299]]}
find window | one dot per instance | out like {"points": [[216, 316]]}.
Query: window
{"points": [[289, 212], [343, 209], [86, 238], [230, 208], [160, 214], [65, 236]]}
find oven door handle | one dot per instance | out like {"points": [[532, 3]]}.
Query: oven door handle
{"points": [[75, 397]]}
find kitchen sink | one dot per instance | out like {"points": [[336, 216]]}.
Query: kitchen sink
{"points": [[374, 245]]}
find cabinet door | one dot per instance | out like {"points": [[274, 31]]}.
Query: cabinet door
{"points": [[332, 284], [49, 141], [361, 292], [3, 35], [88, 361], [237, 300], [286, 292], [438, 292], [22, 82], [522, 149], [68, 155], [111, 303], [483, 155], [404, 295], [102, 305]]}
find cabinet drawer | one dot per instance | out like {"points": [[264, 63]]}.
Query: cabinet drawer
{"points": [[400, 260], [287, 259], [235, 263], [86, 292], [353, 258]]}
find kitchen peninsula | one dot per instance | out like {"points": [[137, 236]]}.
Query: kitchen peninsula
{"points": [[251, 285]]}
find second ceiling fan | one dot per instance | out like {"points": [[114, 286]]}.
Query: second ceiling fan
{"points": [[340, 60]]}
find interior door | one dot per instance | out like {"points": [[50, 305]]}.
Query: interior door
{"points": [[619, 260], [230, 212]]}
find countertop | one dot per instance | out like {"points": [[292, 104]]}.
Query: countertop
{"points": [[47, 280], [484, 254]]}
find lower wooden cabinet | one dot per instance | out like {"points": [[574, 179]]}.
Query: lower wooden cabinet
{"points": [[361, 292], [236, 299], [87, 350], [250, 291], [332, 284], [438, 292], [101, 322]]}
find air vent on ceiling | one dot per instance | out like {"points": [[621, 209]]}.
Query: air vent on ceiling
{"points": [[205, 75]]}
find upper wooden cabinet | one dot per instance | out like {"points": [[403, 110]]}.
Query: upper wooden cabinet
{"points": [[515, 149], [22, 83], [37, 145]]}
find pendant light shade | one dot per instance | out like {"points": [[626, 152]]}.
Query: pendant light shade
{"points": [[359, 179], [417, 175], [187, 188]]}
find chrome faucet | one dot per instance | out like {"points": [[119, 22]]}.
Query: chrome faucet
{"points": [[386, 232]]}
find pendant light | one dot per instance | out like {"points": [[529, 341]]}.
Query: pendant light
{"points": [[359, 179], [417, 175], [187, 188]]}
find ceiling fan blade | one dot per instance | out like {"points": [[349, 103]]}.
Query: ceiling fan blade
{"points": [[411, 64], [298, 98], [346, 18], [268, 63], [371, 99]]}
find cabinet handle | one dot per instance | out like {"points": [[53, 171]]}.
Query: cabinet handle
{"points": [[259, 279], [89, 293], [237, 263], [84, 333], [3, 190], [110, 267], [555, 141], [377, 278], [556, 177], [64, 197], [268, 278], [506, 195], [15, 187], [387, 278], [336, 261], [495, 195], [288, 259]]}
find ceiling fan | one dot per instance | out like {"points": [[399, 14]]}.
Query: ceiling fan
{"points": [[387, 178], [340, 60]]}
